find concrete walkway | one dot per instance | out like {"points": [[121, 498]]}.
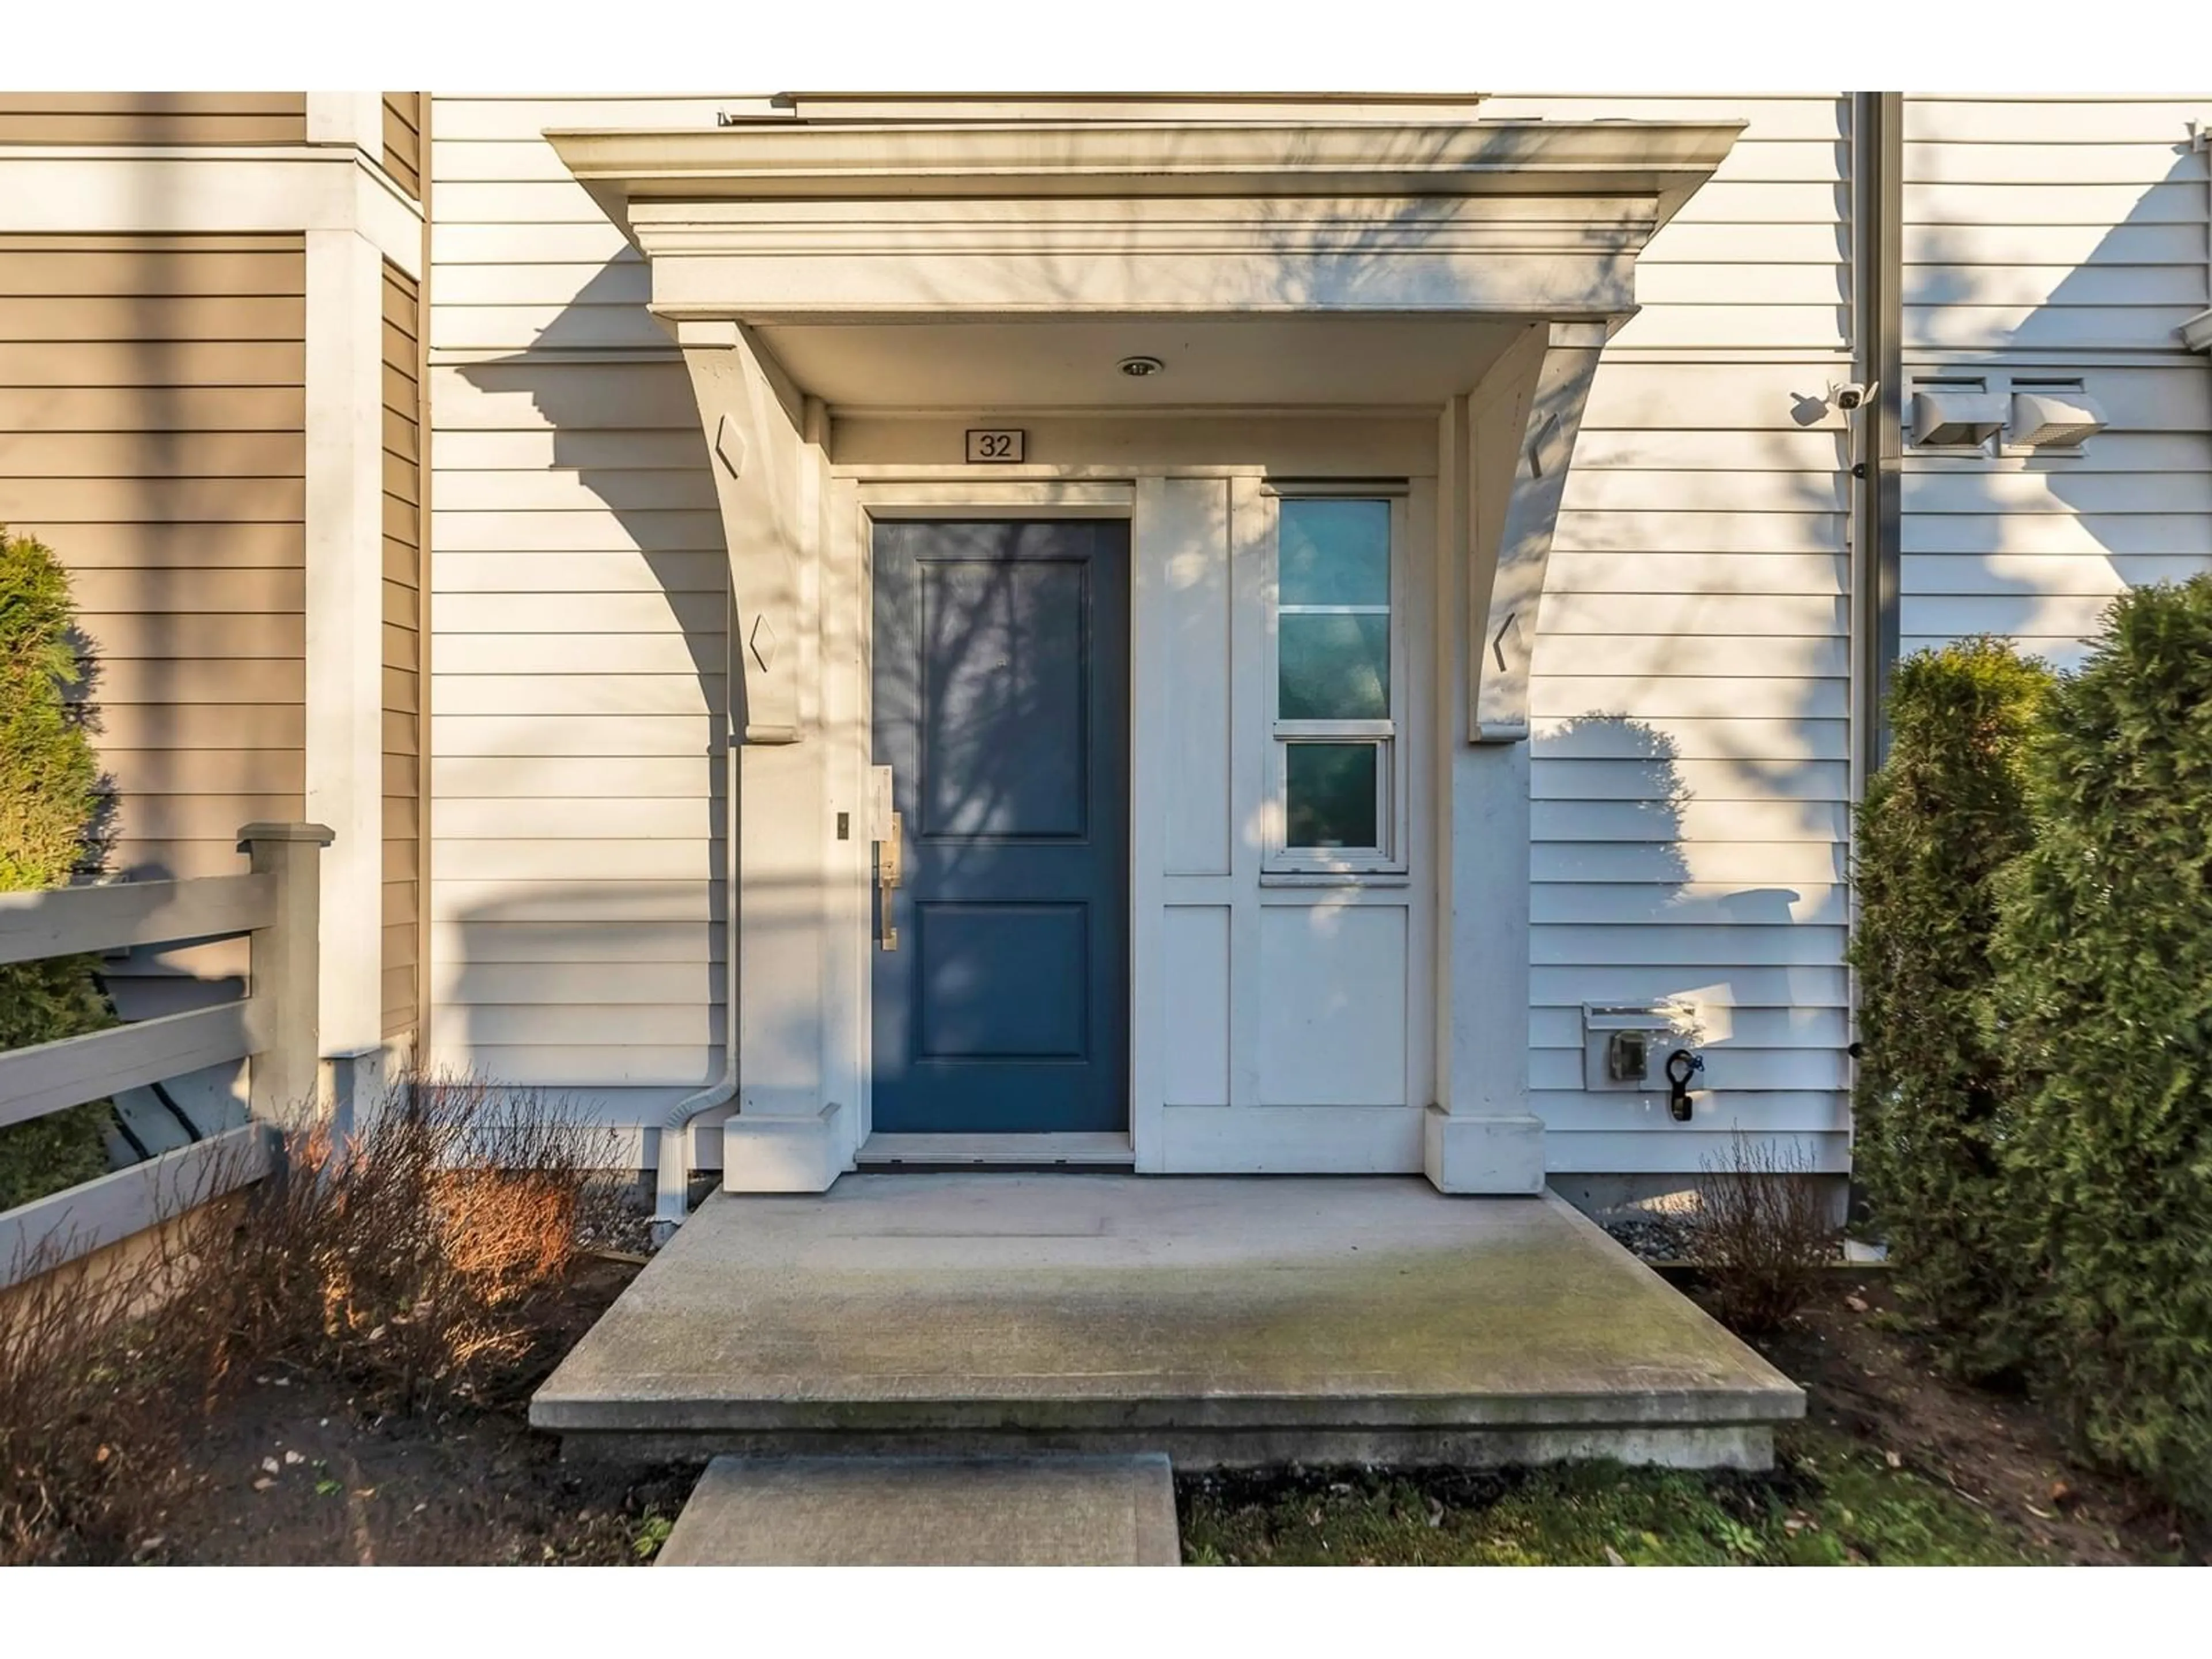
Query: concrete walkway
{"points": [[928, 1512], [1223, 1320]]}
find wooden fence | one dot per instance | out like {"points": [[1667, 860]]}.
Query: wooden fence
{"points": [[272, 1028]]}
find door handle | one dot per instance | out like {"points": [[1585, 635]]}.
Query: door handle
{"points": [[890, 868]]}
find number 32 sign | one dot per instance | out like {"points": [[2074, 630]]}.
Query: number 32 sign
{"points": [[1002, 444]]}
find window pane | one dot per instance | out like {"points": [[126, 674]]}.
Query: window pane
{"points": [[1334, 665], [1331, 794], [1334, 553]]}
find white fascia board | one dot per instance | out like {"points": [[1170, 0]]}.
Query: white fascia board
{"points": [[1023, 159], [2196, 333], [218, 191]]}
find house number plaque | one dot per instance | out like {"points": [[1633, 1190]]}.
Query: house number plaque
{"points": [[995, 444]]}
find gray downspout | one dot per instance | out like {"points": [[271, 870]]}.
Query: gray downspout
{"points": [[672, 1158], [1876, 447], [1878, 293]]}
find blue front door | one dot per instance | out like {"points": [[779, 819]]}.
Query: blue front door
{"points": [[1001, 697]]}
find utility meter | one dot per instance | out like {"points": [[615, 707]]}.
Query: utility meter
{"points": [[1624, 1043]]}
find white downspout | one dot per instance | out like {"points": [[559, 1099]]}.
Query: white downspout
{"points": [[673, 1160]]}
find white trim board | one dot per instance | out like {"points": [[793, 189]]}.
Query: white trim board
{"points": [[134, 191], [345, 583]]}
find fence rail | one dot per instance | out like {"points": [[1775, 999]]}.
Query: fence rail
{"points": [[51, 1232], [272, 1028], [64, 921]]}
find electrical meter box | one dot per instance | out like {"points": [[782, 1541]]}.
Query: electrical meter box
{"points": [[1626, 1045]]}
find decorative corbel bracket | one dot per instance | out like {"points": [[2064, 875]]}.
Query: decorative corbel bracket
{"points": [[1523, 422], [753, 422]]}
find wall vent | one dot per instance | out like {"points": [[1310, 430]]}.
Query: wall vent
{"points": [[1955, 413], [2052, 416]]}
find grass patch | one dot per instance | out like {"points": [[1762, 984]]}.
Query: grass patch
{"points": [[1830, 1501]]}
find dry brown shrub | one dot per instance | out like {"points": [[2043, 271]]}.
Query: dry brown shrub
{"points": [[418, 1260], [1761, 1232], [105, 1365], [416, 1257]]}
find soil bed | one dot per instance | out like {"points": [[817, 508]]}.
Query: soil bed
{"points": [[473, 1485], [1893, 1465], [1866, 1377]]}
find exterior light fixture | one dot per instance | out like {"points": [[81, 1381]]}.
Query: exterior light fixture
{"points": [[1138, 368]]}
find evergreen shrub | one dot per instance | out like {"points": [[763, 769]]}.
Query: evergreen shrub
{"points": [[1941, 819], [49, 800], [2104, 948]]}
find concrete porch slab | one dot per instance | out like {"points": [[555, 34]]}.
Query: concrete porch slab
{"points": [[1223, 1320], [928, 1512]]}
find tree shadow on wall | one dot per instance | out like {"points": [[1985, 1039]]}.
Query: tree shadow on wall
{"points": [[581, 611]]}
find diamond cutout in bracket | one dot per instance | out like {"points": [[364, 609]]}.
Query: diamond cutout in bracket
{"points": [[730, 446]]}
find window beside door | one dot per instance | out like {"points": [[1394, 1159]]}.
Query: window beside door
{"points": [[1338, 686]]}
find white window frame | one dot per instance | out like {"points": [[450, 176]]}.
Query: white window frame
{"points": [[1386, 862]]}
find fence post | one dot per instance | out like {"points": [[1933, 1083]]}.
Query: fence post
{"points": [[283, 984]]}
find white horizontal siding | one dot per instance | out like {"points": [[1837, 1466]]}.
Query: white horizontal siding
{"points": [[580, 590], [2042, 233], [1668, 1149], [1690, 699], [1783, 863], [1689, 695]]}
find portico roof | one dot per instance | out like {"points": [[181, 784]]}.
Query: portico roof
{"points": [[1663, 159], [778, 219], [1324, 254]]}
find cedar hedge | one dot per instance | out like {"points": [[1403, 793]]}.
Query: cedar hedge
{"points": [[49, 802], [2033, 865], [1941, 819], [2104, 950]]}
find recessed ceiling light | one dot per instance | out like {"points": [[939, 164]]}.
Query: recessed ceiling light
{"points": [[1138, 367]]}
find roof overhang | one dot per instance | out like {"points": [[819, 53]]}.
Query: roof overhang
{"points": [[785, 219], [1300, 257], [1664, 160]]}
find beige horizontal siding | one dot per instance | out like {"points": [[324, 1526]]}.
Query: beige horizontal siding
{"points": [[403, 654], [580, 589], [403, 139], [153, 118], [152, 431]]}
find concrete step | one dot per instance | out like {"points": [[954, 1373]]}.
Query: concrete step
{"points": [[1224, 1322], [928, 1512]]}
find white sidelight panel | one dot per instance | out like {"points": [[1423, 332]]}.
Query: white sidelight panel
{"points": [[1193, 970], [1186, 559], [1332, 981], [1282, 1013]]}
